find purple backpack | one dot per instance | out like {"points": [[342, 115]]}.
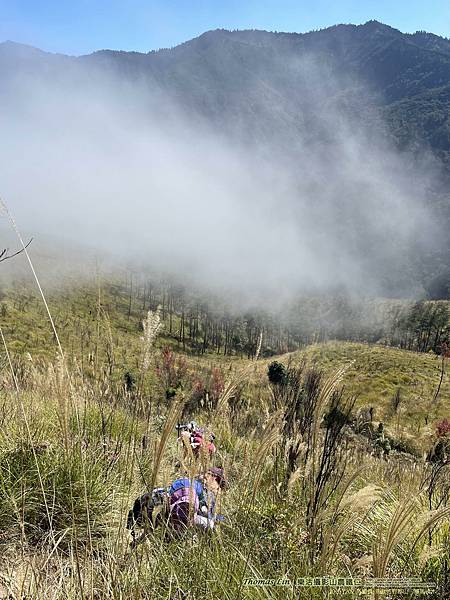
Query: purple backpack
{"points": [[183, 505]]}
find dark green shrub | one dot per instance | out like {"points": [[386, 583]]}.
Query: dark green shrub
{"points": [[276, 373]]}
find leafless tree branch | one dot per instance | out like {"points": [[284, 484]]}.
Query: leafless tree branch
{"points": [[4, 253]]}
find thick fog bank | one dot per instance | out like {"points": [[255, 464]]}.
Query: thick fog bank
{"points": [[124, 168]]}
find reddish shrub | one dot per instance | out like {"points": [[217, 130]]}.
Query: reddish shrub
{"points": [[172, 370], [216, 384], [443, 428]]}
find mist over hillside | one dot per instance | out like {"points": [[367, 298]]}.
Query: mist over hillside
{"points": [[270, 162]]}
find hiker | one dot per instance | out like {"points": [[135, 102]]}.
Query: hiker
{"points": [[187, 502], [194, 501], [193, 436]]}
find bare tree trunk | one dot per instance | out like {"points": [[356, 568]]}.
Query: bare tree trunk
{"points": [[440, 380], [131, 293]]}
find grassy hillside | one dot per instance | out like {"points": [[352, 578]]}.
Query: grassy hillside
{"points": [[381, 377], [84, 317], [307, 496], [72, 461], [102, 326], [376, 374]]}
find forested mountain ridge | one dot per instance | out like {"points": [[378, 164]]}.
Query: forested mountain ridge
{"points": [[223, 72]]}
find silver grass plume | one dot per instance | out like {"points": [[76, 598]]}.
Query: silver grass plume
{"points": [[151, 324]]}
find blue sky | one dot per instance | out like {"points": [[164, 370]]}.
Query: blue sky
{"points": [[82, 26]]}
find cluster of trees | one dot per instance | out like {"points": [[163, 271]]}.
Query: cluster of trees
{"points": [[423, 327], [202, 322]]}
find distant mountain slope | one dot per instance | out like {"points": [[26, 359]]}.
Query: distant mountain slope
{"points": [[253, 79]]}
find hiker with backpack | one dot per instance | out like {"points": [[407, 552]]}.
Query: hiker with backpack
{"points": [[197, 439], [185, 503], [194, 501]]}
